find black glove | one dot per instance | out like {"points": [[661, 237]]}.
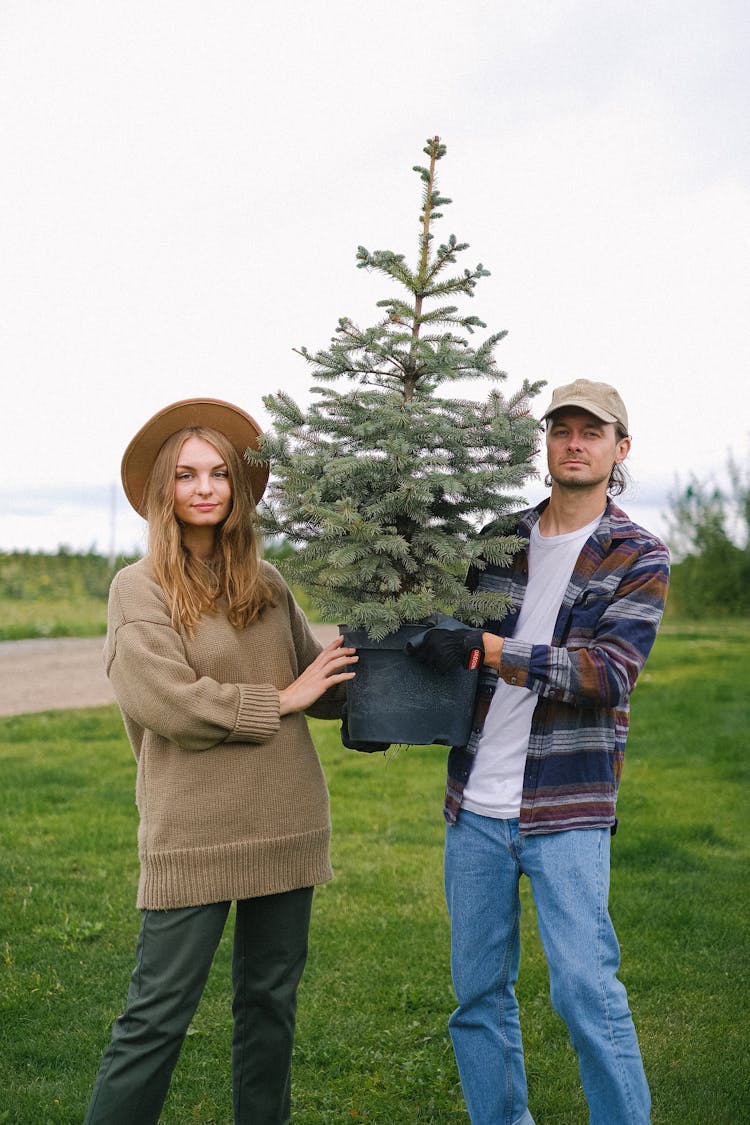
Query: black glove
{"points": [[443, 649], [364, 747]]}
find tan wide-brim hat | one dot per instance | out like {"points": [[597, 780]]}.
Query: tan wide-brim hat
{"points": [[138, 460]]}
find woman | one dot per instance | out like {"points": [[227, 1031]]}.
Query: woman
{"points": [[213, 663]]}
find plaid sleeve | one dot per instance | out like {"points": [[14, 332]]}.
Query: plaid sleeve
{"points": [[602, 643]]}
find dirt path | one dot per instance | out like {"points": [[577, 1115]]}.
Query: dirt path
{"points": [[51, 675]]}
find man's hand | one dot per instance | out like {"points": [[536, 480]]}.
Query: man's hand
{"points": [[443, 649]]}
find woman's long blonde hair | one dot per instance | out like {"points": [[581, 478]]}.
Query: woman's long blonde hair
{"points": [[234, 575]]}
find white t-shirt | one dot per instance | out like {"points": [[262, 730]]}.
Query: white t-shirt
{"points": [[496, 780]]}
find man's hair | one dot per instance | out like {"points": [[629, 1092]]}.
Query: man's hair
{"points": [[619, 478]]}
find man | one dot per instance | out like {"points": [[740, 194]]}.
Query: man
{"points": [[534, 792]]}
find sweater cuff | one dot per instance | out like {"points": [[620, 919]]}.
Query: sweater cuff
{"points": [[257, 715]]}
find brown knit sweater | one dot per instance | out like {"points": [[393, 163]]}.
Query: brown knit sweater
{"points": [[232, 798]]}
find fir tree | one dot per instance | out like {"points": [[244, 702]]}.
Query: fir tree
{"points": [[383, 486]]}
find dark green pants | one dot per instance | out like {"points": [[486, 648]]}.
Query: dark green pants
{"points": [[173, 958]]}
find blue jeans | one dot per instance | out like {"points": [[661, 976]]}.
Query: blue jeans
{"points": [[569, 875]]}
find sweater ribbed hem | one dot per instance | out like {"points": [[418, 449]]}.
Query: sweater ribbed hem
{"points": [[248, 869]]}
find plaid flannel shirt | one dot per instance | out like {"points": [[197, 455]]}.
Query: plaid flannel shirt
{"points": [[604, 632]]}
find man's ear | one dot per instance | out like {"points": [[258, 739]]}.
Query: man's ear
{"points": [[623, 449]]}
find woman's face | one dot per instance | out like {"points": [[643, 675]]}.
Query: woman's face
{"points": [[202, 489]]}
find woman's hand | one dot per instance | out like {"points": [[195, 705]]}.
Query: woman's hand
{"points": [[328, 669]]}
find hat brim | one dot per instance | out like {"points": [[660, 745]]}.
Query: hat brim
{"points": [[238, 426]]}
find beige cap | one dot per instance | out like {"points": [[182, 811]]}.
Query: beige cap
{"points": [[241, 430], [600, 399]]}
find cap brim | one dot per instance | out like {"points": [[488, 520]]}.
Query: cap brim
{"points": [[581, 404], [238, 426]]}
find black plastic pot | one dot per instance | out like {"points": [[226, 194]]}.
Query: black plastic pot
{"points": [[394, 698]]}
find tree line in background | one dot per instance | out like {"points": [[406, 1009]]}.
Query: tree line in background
{"points": [[36, 576], [709, 536]]}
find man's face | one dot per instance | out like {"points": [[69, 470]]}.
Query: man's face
{"points": [[581, 449]]}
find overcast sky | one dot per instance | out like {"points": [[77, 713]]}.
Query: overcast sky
{"points": [[184, 186]]}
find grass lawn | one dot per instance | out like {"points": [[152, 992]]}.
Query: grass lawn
{"points": [[61, 595], [372, 1043], [81, 616]]}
